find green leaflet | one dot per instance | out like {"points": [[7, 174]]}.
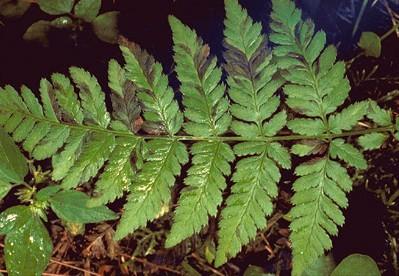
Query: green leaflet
{"points": [[372, 141], [118, 173], [156, 95], [150, 192], [206, 107], [317, 84], [125, 104], [67, 98], [348, 118], [249, 203], [93, 156], [203, 194], [348, 153], [28, 247], [65, 159], [308, 127], [71, 206], [319, 194], [91, 95], [252, 82], [378, 115]]}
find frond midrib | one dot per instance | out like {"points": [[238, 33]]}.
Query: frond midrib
{"points": [[391, 128]]}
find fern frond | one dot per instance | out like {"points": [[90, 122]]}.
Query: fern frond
{"points": [[203, 194], [150, 192], [316, 87], [117, 175], [252, 82], [250, 202], [206, 109], [62, 121], [348, 118], [92, 97], [380, 117], [319, 195], [161, 111]]}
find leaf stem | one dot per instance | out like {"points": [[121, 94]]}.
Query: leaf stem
{"points": [[93, 128]]}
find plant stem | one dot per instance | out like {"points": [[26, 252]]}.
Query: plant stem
{"points": [[390, 128]]}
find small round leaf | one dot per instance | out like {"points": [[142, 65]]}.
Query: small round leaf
{"points": [[38, 32], [56, 7], [105, 26], [357, 265], [13, 8], [371, 44], [87, 9]]}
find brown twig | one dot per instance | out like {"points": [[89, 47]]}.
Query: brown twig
{"points": [[156, 266], [198, 258]]}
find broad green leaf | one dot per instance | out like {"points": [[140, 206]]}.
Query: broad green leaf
{"points": [[248, 205], [5, 187], [150, 192], [28, 247], [161, 110], [92, 157], [372, 141], [38, 32], [46, 193], [13, 218], [71, 206], [87, 9], [91, 95], [356, 265], [347, 153], [105, 26], [253, 270], [202, 195], [370, 43], [13, 167], [118, 174], [308, 127], [323, 266], [304, 149], [206, 107], [13, 8], [56, 7], [379, 115]]}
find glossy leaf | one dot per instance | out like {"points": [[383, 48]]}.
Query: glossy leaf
{"points": [[71, 206], [5, 187], [28, 247], [13, 166]]}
